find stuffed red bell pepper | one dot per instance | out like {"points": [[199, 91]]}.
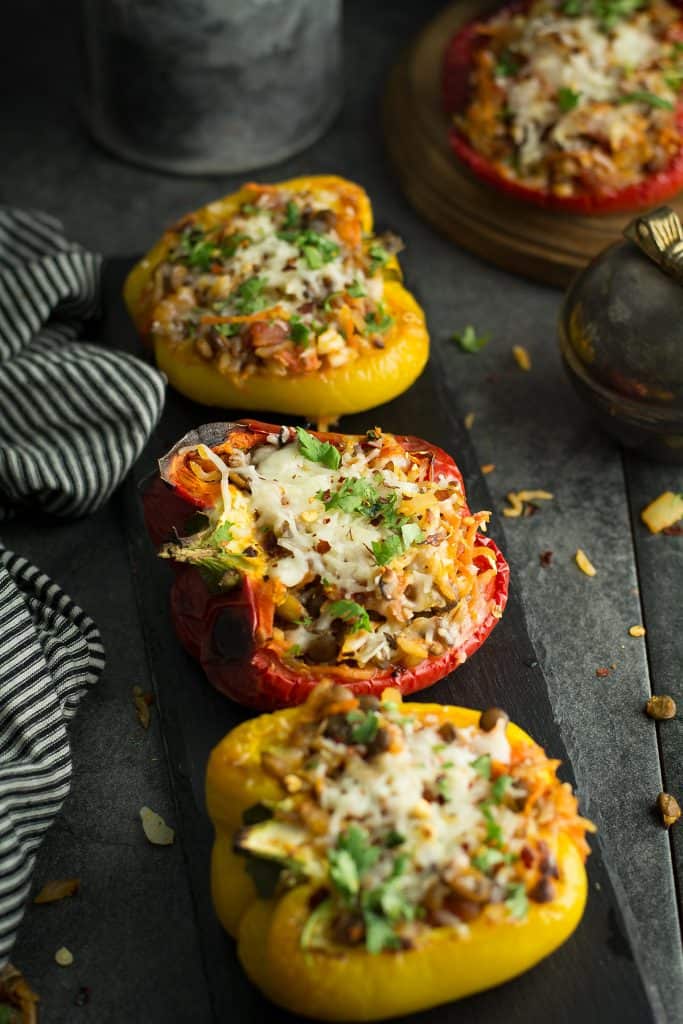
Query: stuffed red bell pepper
{"points": [[303, 557], [570, 104]]}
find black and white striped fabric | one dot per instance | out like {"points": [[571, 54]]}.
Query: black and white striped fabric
{"points": [[73, 419]]}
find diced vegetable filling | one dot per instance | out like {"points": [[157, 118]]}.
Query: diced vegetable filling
{"points": [[371, 556], [404, 824], [287, 285], [577, 96]]}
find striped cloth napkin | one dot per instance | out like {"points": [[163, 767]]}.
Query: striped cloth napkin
{"points": [[73, 419]]}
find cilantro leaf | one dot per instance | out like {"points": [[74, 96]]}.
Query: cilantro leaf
{"points": [[364, 726], [378, 321], [298, 331], [394, 838], [507, 65], [354, 614], [343, 872], [222, 534], [469, 341], [500, 787], [354, 841], [494, 832], [567, 99], [516, 900], [292, 215], [649, 98], [356, 290], [379, 934], [248, 297], [378, 257], [317, 451], [313, 257], [487, 859], [482, 766], [385, 550]]}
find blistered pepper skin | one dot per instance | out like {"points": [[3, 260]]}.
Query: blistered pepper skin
{"points": [[364, 383], [355, 985], [224, 631], [655, 188]]}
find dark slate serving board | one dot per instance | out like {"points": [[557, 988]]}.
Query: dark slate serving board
{"points": [[595, 975]]}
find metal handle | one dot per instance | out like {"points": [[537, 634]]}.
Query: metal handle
{"points": [[659, 234]]}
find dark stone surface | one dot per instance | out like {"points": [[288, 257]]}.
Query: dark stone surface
{"points": [[530, 425]]}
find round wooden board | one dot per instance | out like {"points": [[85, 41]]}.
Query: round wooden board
{"points": [[548, 246]]}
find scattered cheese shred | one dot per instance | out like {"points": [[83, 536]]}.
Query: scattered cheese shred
{"points": [[517, 499], [155, 828], [522, 357], [64, 957], [636, 631], [663, 512], [584, 563], [488, 468], [58, 889], [469, 420]]}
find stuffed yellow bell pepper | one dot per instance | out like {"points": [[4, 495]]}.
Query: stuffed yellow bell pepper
{"points": [[280, 297], [374, 858]]}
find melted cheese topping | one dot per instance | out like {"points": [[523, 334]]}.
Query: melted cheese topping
{"points": [[397, 548], [569, 102]]}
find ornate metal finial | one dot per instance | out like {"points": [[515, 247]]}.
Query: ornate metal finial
{"points": [[660, 236]]}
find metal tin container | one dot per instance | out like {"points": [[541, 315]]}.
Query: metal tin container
{"points": [[621, 336], [211, 86]]}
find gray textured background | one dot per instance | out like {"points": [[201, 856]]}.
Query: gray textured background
{"points": [[125, 929]]}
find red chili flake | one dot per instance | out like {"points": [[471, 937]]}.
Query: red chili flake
{"points": [[602, 672], [545, 558], [322, 547], [527, 856], [673, 531]]}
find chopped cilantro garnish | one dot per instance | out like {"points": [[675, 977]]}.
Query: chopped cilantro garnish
{"points": [[487, 859], [249, 209], [229, 246], [606, 12], [294, 651], [378, 257], [298, 331], [482, 766], [443, 788], [353, 855], [516, 900], [313, 257], [507, 65], [649, 98], [469, 340], [228, 330], [195, 249], [317, 451], [292, 215], [353, 495], [378, 321], [356, 290], [500, 787], [394, 838], [364, 725], [385, 550], [494, 832], [567, 99], [343, 872], [327, 304], [379, 934], [248, 297], [349, 611]]}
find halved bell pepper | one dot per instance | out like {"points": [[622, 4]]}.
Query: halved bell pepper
{"points": [[457, 66], [378, 374], [350, 983], [231, 632]]}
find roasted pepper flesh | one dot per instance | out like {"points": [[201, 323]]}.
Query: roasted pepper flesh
{"points": [[318, 324], [349, 983], [267, 637]]}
